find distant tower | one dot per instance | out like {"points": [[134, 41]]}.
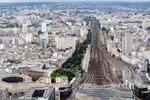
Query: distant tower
{"points": [[28, 22], [145, 23], [44, 30], [44, 44], [43, 41], [24, 28], [127, 44], [28, 38], [15, 41]]}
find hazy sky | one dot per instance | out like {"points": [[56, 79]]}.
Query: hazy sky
{"points": [[64, 0]]}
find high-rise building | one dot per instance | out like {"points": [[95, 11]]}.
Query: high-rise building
{"points": [[15, 41], [28, 22], [44, 30], [43, 41], [24, 28], [6, 41], [28, 38], [127, 44], [145, 24], [70, 42]]}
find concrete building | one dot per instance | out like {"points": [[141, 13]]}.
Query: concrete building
{"points": [[105, 92], [62, 81], [127, 44], [44, 30], [15, 41], [141, 92], [63, 92], [80, 96], [28, 22], [24, 28], [28, 38], [145, 24], [83, 31], [41, 93], [44, 40], [2, 46], [110, 45], [65, 42], [86, 59]]}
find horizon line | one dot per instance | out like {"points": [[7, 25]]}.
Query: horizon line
{"points": [[76, 1]]}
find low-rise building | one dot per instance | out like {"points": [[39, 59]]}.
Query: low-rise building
{"points": [[105, 91]]}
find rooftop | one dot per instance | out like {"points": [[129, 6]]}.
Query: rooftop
{"points": [[39, 92]]}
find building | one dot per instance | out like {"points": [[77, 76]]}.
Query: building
{"points": [[43, 43], [105, 92], [28, 22], [127, 44], [15, 41], [2, 46], [70, 42], [62, 81], [63, 92], [44, 30], [28, 38], [24, 28], [141, 92], [145, 24], [35, 73], [83, 31], [120, 99], [40, 93], [44, 40], [110, 45], [80, 96], [86, 59]]}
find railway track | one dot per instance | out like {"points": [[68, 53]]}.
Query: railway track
{"points": [[97, 73]]}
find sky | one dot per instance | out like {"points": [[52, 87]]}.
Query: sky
{"points": [[5, 1]]}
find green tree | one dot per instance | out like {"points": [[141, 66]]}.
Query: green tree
{"points": [[70, 73], [44, 66], [72, 59], [60, 70], [68, 65], [103, 29], [12, 61], [34, 42], [82, 73], [35, 79], [53, 79], [79, 56], [49, 32], [77, 62], [40, 32], [58, 75], [111, 37], [77, 67]]}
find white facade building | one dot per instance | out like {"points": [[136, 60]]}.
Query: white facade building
{"points": [[44, 30], [65, 42], [24, 28]]}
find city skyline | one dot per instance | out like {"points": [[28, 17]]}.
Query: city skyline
{"points": [[7, 1], [75, 49]]}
